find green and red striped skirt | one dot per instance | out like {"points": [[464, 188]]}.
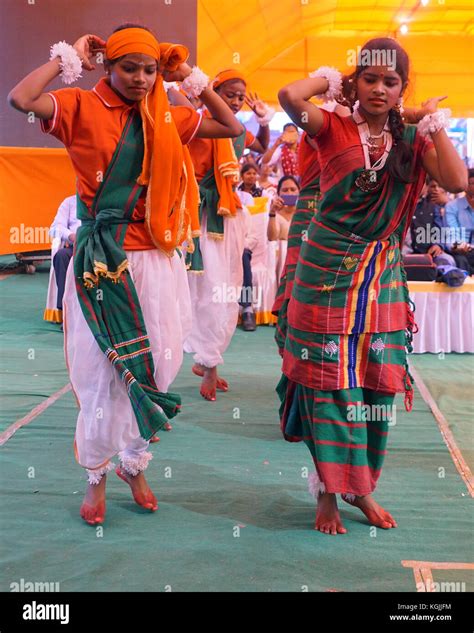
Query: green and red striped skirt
{"points": [[345, 430]]}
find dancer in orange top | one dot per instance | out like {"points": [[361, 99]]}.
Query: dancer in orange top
{"points": [[136, 193], [216, 291]]}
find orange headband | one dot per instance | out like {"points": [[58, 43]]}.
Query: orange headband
{"points": [[227, 75], [136, 40]]}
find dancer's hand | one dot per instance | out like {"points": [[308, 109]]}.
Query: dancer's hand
{"points": [[430, 106], [255, 104], [87, 47], [180, 74]]}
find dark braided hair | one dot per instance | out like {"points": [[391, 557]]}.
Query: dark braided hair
{"points": [[400, 160]]}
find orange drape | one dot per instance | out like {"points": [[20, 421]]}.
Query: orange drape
{"points": [[33, 183]]}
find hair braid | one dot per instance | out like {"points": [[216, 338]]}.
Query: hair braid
{"points": [[400, 161]]}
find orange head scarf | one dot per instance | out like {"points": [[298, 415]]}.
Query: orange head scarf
{"points": [[167, 170], [227, 75]]}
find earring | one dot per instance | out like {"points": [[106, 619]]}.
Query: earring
{"points": [[398, 107]]}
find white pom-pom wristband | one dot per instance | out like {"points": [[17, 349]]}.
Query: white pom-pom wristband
{"points": [[267, 117], [168, 85], [70, 64], [195, 82], [432, 123], [334, 79]]}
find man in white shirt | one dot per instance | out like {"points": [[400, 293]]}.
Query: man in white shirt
{"points": [[64, 227]]}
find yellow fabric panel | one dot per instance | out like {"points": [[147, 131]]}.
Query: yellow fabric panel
{"points": [[33, 183], [274, 42], [259, 205], [433, 286]]}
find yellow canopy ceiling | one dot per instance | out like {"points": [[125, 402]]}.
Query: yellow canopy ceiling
{"points": [[274, 42]]}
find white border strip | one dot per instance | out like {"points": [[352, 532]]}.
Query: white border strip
{"points": [[34, 413], [448, 437]]}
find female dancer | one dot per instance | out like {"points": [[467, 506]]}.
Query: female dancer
{"points": [[136, 194], [348, 317], [215, 276]]}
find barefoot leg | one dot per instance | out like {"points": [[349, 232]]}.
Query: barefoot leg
{"points": [[328, 520], [221, 384], [377, 515], [93, 505], [208, 384], [140, 489]]}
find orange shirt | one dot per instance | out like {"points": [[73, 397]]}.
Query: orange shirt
{"points": [[90, 123], [201, 154]]}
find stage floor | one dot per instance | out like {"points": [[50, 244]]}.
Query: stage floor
{"points": [[235, 513]]}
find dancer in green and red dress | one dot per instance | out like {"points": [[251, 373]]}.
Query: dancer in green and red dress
{"points": [[349, 319]]}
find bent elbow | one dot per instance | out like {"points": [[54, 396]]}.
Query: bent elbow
{"points": [[15, 101], [284, 96], [237, 129], [456, 185]]}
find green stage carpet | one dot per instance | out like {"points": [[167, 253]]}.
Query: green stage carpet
{"points": [[234, 514]]}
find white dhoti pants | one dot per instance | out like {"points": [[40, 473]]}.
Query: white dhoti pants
{"points": [[215, 293], [106, 424]]}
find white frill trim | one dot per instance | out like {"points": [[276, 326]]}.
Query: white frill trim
{"points": [[267, 117], [94, 476], [432, 123], [315, 485], [195, 83], [135, 465], [70, 64], [167, 85], [334, 78], [348, 497]]}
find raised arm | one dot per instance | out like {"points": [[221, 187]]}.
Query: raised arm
{"points": [[29, 94], [294, 99], [262, 138], [443, 163], [223, 123], [267, 157]]}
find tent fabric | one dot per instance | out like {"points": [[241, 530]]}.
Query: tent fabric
{"points": [[274, 43]]}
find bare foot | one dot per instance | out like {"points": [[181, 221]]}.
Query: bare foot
{"points": [[154, 439], [167, 427], [221, 384], [93, 505], [328, 520], [140, 489], [372, 510], [208, 384]]}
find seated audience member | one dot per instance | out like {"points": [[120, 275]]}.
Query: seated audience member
{"points": [[63, 231], [284, 152], [460, 221], [282, 208], [427, 222]]}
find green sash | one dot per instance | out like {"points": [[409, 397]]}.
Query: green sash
{"points": [[111, 308], [209, 196]]}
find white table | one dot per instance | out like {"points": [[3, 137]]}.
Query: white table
{"points": [[444, 315]]}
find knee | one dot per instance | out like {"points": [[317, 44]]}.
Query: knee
{"points": [[62, 256]]}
